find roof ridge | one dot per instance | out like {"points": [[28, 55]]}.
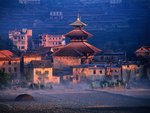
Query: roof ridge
{"points": [[60, 49], [86, 32], [4, 54], [90, 47], [78, 52]]}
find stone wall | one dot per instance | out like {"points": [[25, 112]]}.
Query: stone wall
{"points": [[62, 62]]}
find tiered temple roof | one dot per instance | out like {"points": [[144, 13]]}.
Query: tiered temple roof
{"points": [[78, 47]]}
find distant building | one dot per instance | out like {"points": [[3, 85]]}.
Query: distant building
{"points": [[103, 72], [45, 52], [143, 51], [114, 71], [29, 1], [143, 55], [56, 15], [115, 1], [28, 57], [20, 38], [101, 1], [42, 73], [110, 57], [51, 40], [132, 71], [78, 51], [10, 63], [89, 71]]}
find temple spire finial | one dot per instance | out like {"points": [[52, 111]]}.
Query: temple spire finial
{"points": [[78, 17]]}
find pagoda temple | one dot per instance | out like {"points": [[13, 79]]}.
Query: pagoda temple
{"points": [[78, 51]]}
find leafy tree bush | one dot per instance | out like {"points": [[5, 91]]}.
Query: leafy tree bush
{"points": [[4, 79]]}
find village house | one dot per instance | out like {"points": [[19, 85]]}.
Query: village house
{"points": [[143, 51], [51, 40], [132, 71], [109, 56], [103, 72], [45, 52], [20, 38], [10, 63], [148, 72], [143, 55], [78, 51], [114, 71], [28, 57], [89, 71], [41, 72]]}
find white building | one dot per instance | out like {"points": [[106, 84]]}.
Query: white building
{"points": [[51, 40], [29, 1], [20, 38]]}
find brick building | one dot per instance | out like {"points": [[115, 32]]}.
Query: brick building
{"points": [[10, 63]]}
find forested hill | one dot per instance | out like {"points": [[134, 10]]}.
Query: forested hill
{"points": [[115, 24]]}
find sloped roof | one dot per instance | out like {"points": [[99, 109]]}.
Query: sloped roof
{"points": [[78, 33], [147, 47], [43, 50], [144, 49], [32, 55], [6, 53], [41, 64], [76, 49], [78, 23]]}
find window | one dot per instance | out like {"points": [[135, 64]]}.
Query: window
{"points": [[38, 72], [22, 47], [9, 62], [3, 69], [15, 69], [39, 78], [100, 71], [46, 72], [22, 42], [15, 63], [94, 72], [9, 69], [22, 37], [47, 78], [15, 38]]}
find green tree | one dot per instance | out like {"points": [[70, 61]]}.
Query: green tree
{"points": [[4, 78], [7, 44]]}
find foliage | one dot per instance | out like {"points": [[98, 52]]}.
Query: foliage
{"points": [[7, 44], [4, 78]]}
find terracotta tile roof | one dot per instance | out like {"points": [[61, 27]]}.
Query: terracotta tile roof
{"points": [[78, 33], [76, 49], [31, 55], [78, 23], [9, 59], [143, 49], [41, 64], [6, 53], [147, 47], [43, 50]]}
